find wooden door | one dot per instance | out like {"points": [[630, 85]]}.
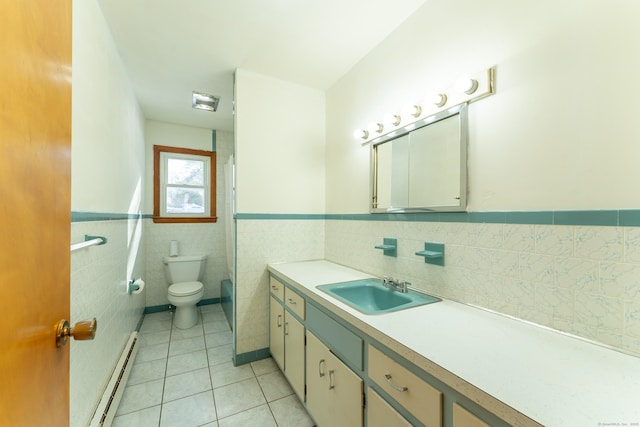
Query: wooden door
{"points": [[35, 150]]}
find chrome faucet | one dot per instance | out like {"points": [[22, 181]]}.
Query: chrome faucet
{"points": [[396, 285]]}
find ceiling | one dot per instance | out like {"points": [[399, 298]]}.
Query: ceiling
{"points": [[173, 47]]}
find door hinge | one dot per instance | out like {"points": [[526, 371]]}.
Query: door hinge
{"points": [[364, 400]]}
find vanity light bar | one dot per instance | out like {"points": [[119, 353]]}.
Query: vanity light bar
{"points": [[466, 89]]}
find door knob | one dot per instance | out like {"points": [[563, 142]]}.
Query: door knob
{"points": [[81, 331]]}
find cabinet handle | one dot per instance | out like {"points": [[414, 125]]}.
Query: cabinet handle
{"points": [[274, 287], [320, 373], [279, 320], [286, 330], [387, 377], [291, 301], [331, 386]]}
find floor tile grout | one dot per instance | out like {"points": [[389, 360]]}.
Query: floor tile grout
{"points": [[174, 337]]}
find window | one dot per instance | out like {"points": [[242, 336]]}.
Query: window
{"points": [[184, 185]]}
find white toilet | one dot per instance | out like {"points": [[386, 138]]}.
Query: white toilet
{"points": [[185, 291]]}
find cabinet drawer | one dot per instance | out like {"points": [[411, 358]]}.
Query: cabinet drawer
{"points": [[347, 345], [464, 418], [381, 414], [277, 288], [294, 302], [418, 397]]}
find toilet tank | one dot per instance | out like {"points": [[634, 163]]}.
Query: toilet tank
{"points": [[184, 268]]}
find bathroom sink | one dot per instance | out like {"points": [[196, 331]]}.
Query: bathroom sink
{"points": [[370, 296]]}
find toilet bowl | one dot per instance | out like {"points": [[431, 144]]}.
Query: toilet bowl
{"points": [[185, 291]]}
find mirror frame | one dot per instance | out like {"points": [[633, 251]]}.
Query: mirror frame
{"points": [[461, 111]]}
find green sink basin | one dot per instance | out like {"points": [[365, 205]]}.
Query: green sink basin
{"points": [[370, 296]]}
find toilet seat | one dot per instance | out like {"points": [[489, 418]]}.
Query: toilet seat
{"points": [[185, 289]]}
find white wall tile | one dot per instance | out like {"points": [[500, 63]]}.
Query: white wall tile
{"points": [[571, 278]]}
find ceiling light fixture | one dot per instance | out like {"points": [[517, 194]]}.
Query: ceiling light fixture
{"points": [[203, 101]]}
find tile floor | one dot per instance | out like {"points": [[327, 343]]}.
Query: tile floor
{"points": [[186, 378]]}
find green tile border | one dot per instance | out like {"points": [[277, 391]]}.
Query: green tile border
{"points": [[585, 218], [251, 356], [613, 218], [250, 216], [166, 307], [629, 218], [78, 216]]}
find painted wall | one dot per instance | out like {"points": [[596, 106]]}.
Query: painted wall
{"points": [[193, 238], [107, 164], [557, 135], [279, 147], [280, 153]]}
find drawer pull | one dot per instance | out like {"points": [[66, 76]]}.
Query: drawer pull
{"points": [[291, 301], [279, 320], [331, 386], [320, 373], [286, 330], [387, 377], [274, 287]]}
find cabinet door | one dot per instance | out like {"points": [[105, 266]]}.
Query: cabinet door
{"points": [[345, 395], [294, 353], [276, 332], [334, 392], [464, 418], [317, 392], [381, 414]]}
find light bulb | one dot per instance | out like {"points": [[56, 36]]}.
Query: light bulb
{"points": [[466, 85], [436, 98], [392, 119], [360, 134], [375, 127], [412, 110]]}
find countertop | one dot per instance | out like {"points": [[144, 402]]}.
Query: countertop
{"points": [[550, 377]]}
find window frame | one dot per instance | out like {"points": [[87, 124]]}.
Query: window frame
{"points": [[159, 185]]}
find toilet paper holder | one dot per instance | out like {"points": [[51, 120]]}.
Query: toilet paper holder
{"points": [[135, 286]]}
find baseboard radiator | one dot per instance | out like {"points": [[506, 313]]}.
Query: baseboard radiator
{"points": [[106, 410]]}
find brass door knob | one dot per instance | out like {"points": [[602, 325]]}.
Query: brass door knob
{"points": [[81, 331]]}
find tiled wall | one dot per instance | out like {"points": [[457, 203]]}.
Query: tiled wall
{"points": [[98, 280], [193, 238], [584, 280], [260, 242]]}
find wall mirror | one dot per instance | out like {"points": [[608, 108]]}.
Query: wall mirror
{"points": [[422, 168]]}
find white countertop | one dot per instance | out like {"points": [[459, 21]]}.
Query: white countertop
{"points": [[552, 378]]}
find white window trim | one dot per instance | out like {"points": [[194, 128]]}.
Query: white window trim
{"points": [[164, 159]]}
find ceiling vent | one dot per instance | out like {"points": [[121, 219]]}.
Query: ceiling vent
{"points": [[202, 101]]}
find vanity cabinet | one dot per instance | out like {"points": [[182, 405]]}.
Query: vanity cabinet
{"points": [[329, 362], [381, 414], [334, 392], [286, 341], [464, 418], [418, 397]]}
